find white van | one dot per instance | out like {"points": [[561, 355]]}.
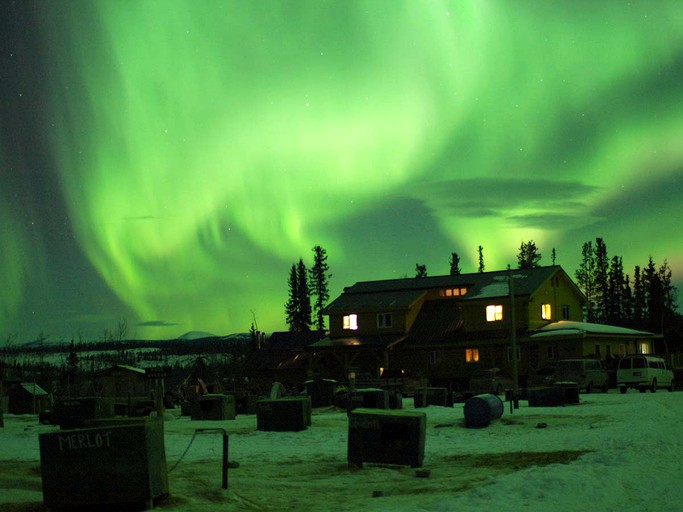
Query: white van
{"points": [[644, 372]]}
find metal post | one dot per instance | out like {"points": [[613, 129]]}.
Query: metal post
{"points": [[225, 450], [225, 460]]}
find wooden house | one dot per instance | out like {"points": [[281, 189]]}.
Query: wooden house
{"points": [[444, 327]]}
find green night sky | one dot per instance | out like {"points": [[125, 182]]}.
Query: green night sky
{"points": [[166, 162]]}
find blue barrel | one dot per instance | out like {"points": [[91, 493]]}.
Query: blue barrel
{"points": [[481, 410]]}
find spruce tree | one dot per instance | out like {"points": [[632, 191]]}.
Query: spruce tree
{"points": [[600, 289], [319, 279], [291, 307], [639, 304], [481, 259], [420, 270], [528, 256], [304, 297], [615, 297], [585, 278], [454, 264]]}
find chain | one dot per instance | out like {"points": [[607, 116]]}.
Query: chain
{"points": [[184, 453]]}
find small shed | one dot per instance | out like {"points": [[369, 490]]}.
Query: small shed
{"points": [[120, 381], [27, 398]]}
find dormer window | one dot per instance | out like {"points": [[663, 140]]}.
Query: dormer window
{"points": [[546, 312], [350, 322], [384, 320], [453, 292], [494, 312]]}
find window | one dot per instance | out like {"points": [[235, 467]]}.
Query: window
{"points": [[608, 351], [597, 349], [350, 322], [545, 312], [622, 350], [519, 355], [565, 312], [453, 292], [471, 355], [434, 357], [551, 351], [384, 320], [643, 348], [494, 313]]}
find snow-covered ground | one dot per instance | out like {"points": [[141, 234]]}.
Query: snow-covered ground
{"points": [[612, 452]]}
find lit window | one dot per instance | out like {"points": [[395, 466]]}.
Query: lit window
{"points": [[545, 312], [494, 313], [350, 322], [644, 348], [565, 312], [384, 320], [453, 292], [471, 355]]}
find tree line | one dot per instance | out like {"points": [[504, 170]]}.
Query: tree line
{"points": [[647, 301]]}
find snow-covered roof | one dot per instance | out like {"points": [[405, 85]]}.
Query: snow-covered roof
{"points": [[567, 327]]}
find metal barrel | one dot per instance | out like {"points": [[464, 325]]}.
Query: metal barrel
{"points": [[481, 410]]}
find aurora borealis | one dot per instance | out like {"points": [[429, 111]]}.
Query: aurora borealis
{"points": [[167, 161]]}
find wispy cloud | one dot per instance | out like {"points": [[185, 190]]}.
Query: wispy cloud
{"points": [[156, 323]]}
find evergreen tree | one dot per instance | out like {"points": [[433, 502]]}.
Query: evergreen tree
{"points": [[454, 264], [628, 301], [481, 259], [528, 256], [298, 306], [304, 298], [638, 303], [600, 291], [615, 297], [291, 307], [585, 278], [319, 278], [420, 270], [654, 297], [553, 256]]}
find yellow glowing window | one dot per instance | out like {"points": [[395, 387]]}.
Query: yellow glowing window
{"points": [[546, 312], [494, 313], [350, 322], [644, 348], [471, 355], [453, 292]]}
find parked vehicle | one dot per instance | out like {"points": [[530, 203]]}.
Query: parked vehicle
{"points": [[492, 380], [644, 372], [543, 377], [589, 374]]}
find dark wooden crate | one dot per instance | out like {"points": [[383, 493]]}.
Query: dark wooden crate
{"points": [[386, 437], [288, 414]]}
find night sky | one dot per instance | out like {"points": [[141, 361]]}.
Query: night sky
{"points": [[165, 162]]}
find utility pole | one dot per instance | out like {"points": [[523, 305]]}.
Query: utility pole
{"points": [[513, 342]]}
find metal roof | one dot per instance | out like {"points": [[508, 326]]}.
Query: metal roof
{"points": [[479, 285]]}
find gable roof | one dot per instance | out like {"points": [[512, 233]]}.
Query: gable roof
{"points": [[400, 293], [437, 321], [291, 340], [386, 299]]}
